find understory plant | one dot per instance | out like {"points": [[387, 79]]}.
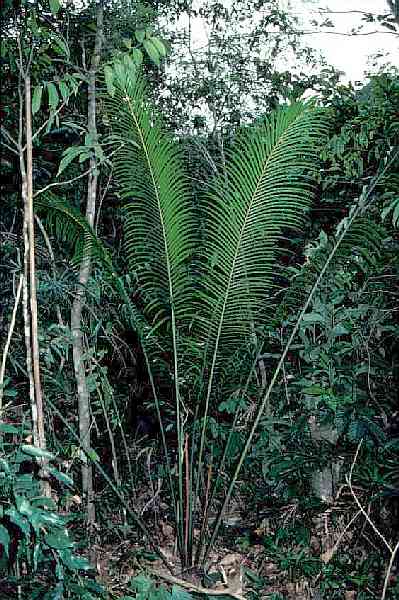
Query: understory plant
{"points": [[38, 553], [207, 276], [206, 270]]}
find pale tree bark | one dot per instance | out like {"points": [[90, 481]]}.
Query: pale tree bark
{"points": [[32, 268], [394, 8], [84, 274], [29, 278], [25, 287], [29, 285]]}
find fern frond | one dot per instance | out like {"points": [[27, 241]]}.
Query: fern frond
{"points": [[158, 212], [359, 251], [159, 225], [70, 226], [268, 188]]}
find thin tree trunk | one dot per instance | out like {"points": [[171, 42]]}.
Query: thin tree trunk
{"points": [[29, 278], [394, 8], [25, 296], [84, 274], [32, 269], [25, 283]]}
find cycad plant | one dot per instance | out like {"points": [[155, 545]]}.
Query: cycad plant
{"points": [[205, 272]]}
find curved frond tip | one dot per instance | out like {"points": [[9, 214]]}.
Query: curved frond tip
{"points": [[268, 189], [159, 220]]}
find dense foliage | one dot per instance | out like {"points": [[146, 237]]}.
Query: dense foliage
{"points": [[199, 277]]}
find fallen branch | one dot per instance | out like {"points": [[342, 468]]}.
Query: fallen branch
{"points": [[198, 589]]}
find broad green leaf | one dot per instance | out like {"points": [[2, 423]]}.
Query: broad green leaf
{"points": [[25, 484], [3, 49], [152, 51], [10, 393], [120, 73], [53, 97], [395, 214], [312, 318], [4, 466], [61, 45], [23, 506], [394, 208], [89, 140], [92, 454], [338, 330], [49, 124], [6, 428], [84, 155], [141, 583], [64, 89], [69, 155], [179, 593], [74, 562], [62, 477], [37, 452], [58, 593], [313, 390], [163, 594], [37, 98], [137, 56], [140, 35], [129, 63], [99, 153], [159, 46], [43, 518], [55, 6], [44, 502], [19, 520], [59, 540]]}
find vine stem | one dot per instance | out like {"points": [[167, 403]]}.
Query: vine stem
{"points": [[8, 341]]}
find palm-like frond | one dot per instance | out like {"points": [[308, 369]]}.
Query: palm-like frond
{"points": [[268, 188], [71, 226], [159, 220], [359, 250], [159, 223]]}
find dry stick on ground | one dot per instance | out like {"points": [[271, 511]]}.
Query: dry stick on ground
{"points": [[361, 508], [8, 341], [198, 589], [337, 543], [392, 550], [388, 572]]}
